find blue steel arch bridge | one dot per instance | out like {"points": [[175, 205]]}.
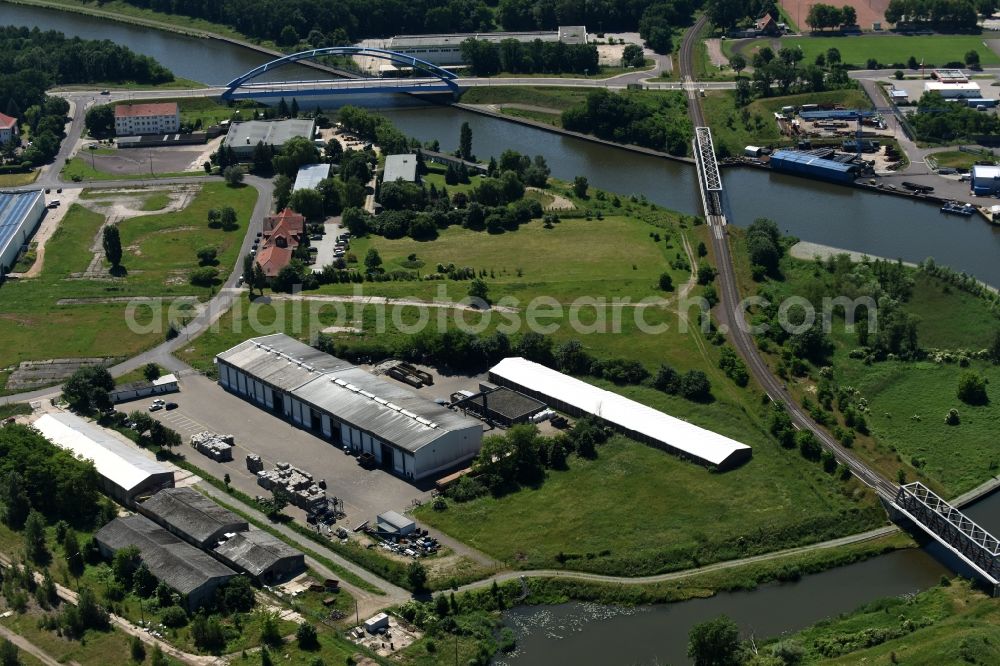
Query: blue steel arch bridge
{"points": [[426, 77]]}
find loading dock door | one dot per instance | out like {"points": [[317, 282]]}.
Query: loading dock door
{"points": [[386, 455]]}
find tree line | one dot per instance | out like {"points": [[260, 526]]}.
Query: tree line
{"points": [[947, 14], [485, 57], [822, 16], [340, 22], [659, 123]]}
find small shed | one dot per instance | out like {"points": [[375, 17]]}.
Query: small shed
{"points": [[376, 623], [395, 524], [752, 151]]}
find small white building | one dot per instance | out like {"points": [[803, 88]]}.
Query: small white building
{"points": [[376, 623], [160, 118], [954, 90], [394, 524], [752, 151]]}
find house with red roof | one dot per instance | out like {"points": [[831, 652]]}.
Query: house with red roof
{"points": [[160, 118], [282, 234], [8, 129]]}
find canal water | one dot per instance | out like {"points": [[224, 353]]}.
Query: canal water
{"points": [[841, 217]]}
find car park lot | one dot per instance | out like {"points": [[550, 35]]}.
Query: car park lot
{"points": [[204, 405]]}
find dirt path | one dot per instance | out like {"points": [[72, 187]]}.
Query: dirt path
{"points": [[25, 645], [715, 53], [50, 222], [559, 202], [382, 300]]}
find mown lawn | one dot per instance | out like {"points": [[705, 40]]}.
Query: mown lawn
{"points": [[547, 96], [957, 159], [18, 179], [892, 49]]}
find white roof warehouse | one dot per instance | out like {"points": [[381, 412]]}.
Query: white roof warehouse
{"points": [[347, 406], [634, 419]]}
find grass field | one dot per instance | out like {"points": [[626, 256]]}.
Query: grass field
{"points": [[942, 625], [18, 179], [731, 132], [957, 159], [637, 511], [179, 83], [891, 49], [551, 97], [159, 253], [909, 400]]}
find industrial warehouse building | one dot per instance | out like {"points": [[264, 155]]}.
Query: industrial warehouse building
{"points": [[805, 164], [124, 473], [347, 406], [20, 213], [634, 419], [181, 566], [261, 555], [954, 90], [985, 180], [188, 514], [196, 519], [244, 137], [446, 49]]}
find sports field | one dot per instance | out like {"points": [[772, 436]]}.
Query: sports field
{"points": [[891, 49], [869, 11]]}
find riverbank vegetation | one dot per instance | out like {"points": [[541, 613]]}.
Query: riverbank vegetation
{"points": [[653, 120], [951, 623], [887, 388]]}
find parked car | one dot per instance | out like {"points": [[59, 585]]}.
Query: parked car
{"points": [[170, 405], [105, 92], [156, 405]]}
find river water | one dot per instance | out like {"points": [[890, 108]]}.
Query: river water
{"points": [[828, 214]]}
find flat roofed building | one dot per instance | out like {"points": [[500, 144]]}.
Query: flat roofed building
{"points": [[244, 137], [503, 405], [160, 118], [310, 175], [8, 128], [349, 407], [191, 516], [400, 167], [950, 75], [954, 90], [20, 213], [634, 419], [261, 555], [125, 473], [181, 566]]}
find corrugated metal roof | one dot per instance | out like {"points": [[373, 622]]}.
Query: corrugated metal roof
{"points": [[178, 564], [805, 158], [14, 210], [620, 411], [255, 551], [122, 465], [985, 171], [389, 411], [191, 513], [269, 132]]}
